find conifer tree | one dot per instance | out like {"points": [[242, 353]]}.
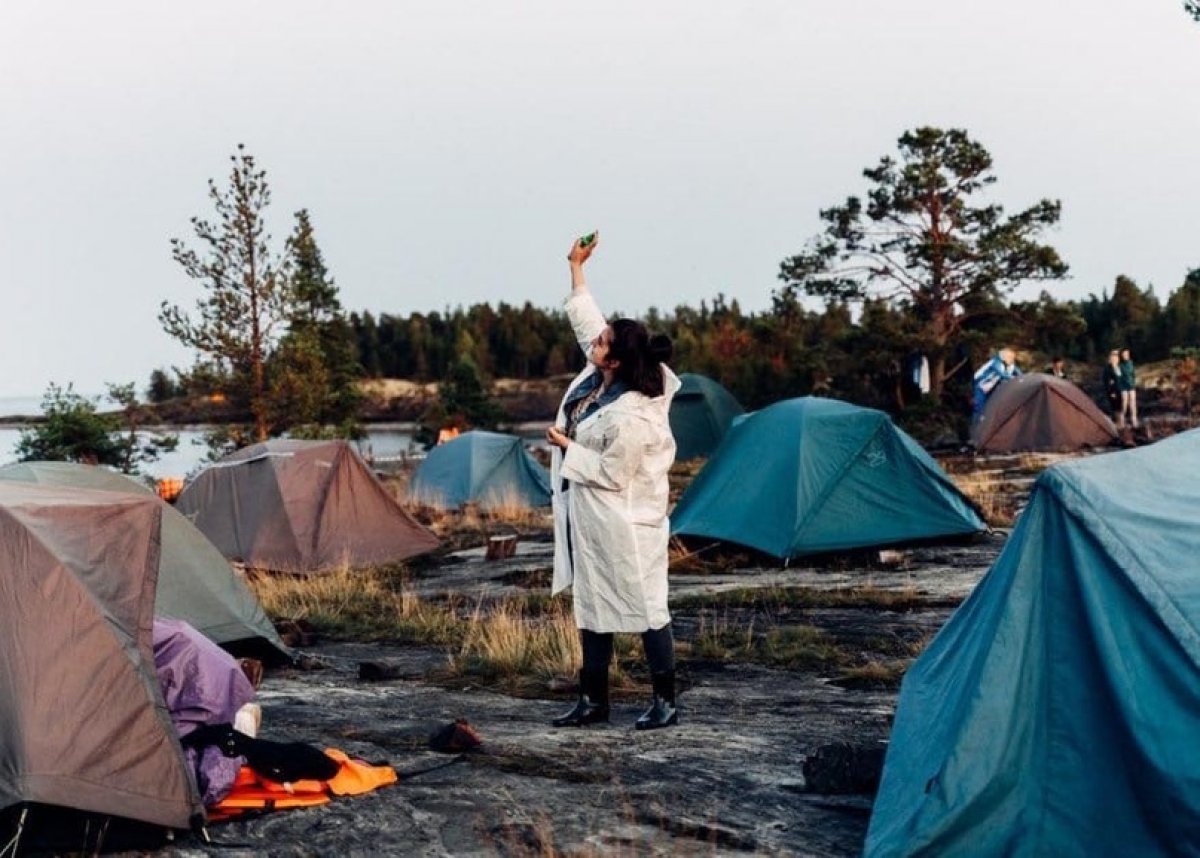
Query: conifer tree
{"points": [[245, 302]]}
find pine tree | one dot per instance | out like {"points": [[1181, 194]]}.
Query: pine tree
{"points": [[316, 366], [245, 304], [922, 240]]}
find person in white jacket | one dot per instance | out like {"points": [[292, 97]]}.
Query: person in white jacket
{"points": [[611, 450]]}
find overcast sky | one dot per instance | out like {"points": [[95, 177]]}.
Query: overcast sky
{"points": [[449, 151]]}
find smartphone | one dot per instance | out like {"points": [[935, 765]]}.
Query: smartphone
{"points": [[587, 239]]}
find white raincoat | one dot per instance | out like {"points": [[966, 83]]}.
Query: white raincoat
{"points": [[616, 505]]}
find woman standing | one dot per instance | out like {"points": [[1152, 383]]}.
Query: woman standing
{"points": [[612, 448], [1128, 387]]}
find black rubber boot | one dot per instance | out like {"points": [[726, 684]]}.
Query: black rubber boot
{"points": [[662, 712], [592, 705]]}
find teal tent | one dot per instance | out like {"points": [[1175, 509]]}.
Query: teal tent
{"points": [[195, 583], [481, 467], [1058, 711], [811, 475], [701, 413]]}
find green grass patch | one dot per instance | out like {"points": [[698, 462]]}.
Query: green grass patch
{"points": [[874, 675], [774, 599], [793, 647]]}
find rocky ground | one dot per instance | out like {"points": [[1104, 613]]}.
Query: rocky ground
{"points": [[730, 779]]}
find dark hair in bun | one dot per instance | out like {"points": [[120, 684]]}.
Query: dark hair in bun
{"points": [[641, 356], [661, 348]]}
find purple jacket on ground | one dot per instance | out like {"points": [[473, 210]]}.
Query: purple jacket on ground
{"points": [[201, 684]]}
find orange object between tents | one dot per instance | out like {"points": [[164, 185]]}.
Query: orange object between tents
{"points": [[252, 792]]}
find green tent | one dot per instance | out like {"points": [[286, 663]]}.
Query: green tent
{"points": [[195, 582], [811, 475], [701, 413], [1057, 712], [487, 468]]}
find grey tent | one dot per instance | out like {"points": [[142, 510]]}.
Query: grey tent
{"points": [[195, 583], [83, 724], [301, 506], [1040, 412], [701, 413], [813, 475], [487, 468]]}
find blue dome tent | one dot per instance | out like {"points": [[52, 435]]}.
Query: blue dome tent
{"points": [[487, 468], [701, 413], [811, 475], [1057, 711]]}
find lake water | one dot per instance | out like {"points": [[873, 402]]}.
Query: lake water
{"points": [[385, 442], [382, 443]]}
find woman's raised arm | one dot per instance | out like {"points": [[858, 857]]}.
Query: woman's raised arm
{"points": [[582, 310]]}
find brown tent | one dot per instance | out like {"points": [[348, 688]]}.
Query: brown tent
{"points": [[195, 583], [301, 506], [83, 724], [1040, 412]]}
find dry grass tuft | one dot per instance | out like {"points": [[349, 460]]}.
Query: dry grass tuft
{"points": [[370, 604], [471, 525], [506, 641], [874, 675], [681, 475], [991, 493], [526, 649], [708, 559], [510, 509]]}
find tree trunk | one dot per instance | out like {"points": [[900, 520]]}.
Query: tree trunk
{"points": [[258, 403], [937, 375]]}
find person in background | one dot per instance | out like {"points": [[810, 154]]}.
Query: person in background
{"points": [[1112, 384], [1128, 387], [1000, 368], [611, 448], [1058, 367]]}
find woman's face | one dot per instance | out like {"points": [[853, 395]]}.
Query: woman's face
{"points": [[1125, 354], [598, 354]]}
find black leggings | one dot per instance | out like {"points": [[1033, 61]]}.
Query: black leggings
{"points": [[659, 645]]}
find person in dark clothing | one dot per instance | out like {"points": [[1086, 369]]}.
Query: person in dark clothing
{"points": [[1127, 384], [1112, 383]]}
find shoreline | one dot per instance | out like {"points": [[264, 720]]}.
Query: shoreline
{"points": [[518, 428]]}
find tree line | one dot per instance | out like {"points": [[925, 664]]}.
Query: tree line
{"points": [[922, 264], [788, 350], [919, 267]]}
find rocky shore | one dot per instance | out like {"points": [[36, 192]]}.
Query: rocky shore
{"points": [[729, 780]]}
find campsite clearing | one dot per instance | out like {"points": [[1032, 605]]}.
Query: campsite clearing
{"points": [[729, 780]]}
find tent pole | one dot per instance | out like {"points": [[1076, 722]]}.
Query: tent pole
{"points": [[10, 848], [101, 834]]}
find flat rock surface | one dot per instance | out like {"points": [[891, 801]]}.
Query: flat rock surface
{"points": [[727, 780]]}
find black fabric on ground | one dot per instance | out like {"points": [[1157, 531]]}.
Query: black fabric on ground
{"points": [[279, 761]]}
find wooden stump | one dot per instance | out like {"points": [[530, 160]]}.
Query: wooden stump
{"points": [[501, 547]]}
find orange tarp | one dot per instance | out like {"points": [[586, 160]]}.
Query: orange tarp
{"points": [[252, 792]]}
